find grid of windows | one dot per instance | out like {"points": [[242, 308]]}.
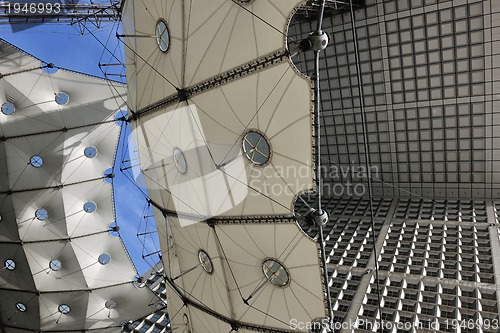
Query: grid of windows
{"points": [[158, 321], [426, 84], [351, 206], [437, 304], [348, 240], [442, 210], [439, 250], [438, 254], [344, 288]]}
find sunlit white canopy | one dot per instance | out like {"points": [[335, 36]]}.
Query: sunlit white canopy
{"points": [[232, 282], [223, 128], [62, 270]]}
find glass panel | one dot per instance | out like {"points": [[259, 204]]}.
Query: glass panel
{"points": [[104, 259], [64, 309], [256, 147], [62, 98], [21, 307], [162, 35], [41, 214], [36, 161], [90, 152], [180, 161], [10, 264], [275, 272], [8, 108], [206, 262], [55, 265], [89, 207]]}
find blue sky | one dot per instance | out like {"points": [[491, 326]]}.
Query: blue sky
{"points": [[64, 46]]}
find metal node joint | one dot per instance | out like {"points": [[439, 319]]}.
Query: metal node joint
{"points": [[320, 217], [318, 40], [317, 217]]}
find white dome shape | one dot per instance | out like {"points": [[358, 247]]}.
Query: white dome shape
{"points": [[51, 230]]}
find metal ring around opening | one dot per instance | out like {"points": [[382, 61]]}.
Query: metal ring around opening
{"points": [[21, 307], [64, 309], [256, 147], [180, 160], [10, 264], [62, 98], [36, 161], [276, 272], [162, 35], [41, 214], [205, 261], [55, 265], [89, 207], [90, 152], [104, 259], [110, 304], [8, 108]]}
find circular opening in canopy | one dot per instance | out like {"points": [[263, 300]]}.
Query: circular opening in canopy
{"points": [[36, 161], [55, 265], [205, 261], [120, 117], [256, 147], [275, 272], [49, 68], [8, 108], [21, 307], [64, 309], [110, 304], [180, 161], [113, 229], [162, 35], [104, 259], [41, 214], [89, 207], [10, 264], [109, 175], [62, 98], [90, 152]]}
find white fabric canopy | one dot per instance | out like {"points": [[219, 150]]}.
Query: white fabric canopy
{"points": [[197, 132], [55, 205], [237, 253]]}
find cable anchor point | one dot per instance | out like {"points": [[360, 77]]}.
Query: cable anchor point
{"points": [[317, 217], [318, 40]]}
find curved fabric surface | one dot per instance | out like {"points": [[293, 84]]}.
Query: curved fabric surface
{"points": [[206, 38], [237, 289], [56, 209], [197, 160], [210, 130]]}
